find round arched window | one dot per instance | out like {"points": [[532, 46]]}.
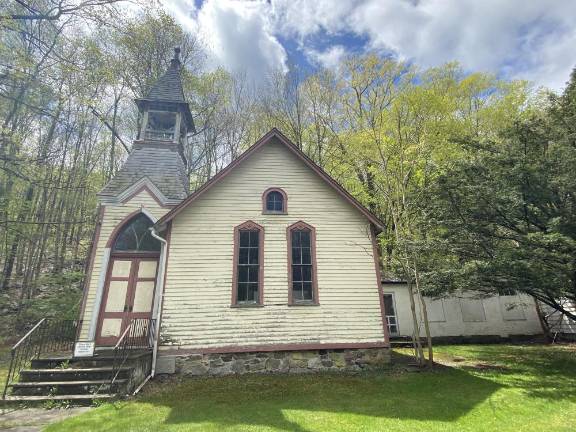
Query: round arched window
{"points": [[135, 236], [274, 201]]}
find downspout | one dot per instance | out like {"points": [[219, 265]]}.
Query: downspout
{"points": [[161, 277]]}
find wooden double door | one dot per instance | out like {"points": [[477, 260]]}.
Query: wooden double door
{"points": [[128, 294]]}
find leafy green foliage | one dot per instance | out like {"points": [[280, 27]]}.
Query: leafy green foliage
{"points": [[505, 215]]}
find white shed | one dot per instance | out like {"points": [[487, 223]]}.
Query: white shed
{"points": [[463, 317]]}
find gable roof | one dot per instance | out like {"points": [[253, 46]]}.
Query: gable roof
{"points": [[274, 133]]}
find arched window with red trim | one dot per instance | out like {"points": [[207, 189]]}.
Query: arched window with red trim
{"points": [[302, 268], [274, 201], [248, 271]]}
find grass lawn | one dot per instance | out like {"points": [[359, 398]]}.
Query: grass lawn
{"points": [[479, 388]]}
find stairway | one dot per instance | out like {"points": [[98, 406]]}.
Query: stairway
{"points": [[61, 377]]}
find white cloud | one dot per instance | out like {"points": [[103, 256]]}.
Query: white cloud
{"points": [[521, 38], [329, 58], [238, 35], [532, 39]]}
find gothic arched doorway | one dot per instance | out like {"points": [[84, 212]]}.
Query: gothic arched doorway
{"points": [[130, 278]]}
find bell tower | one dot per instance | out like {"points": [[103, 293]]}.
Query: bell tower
{"points": [[165, 115], [152, 181], [157, 158]]}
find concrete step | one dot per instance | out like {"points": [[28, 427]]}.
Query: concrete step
{"points": [[56, 388], [71, 374], [60, 397], [100, 359], [64, 383]]}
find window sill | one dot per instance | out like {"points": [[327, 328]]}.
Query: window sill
{"points": [[247, 305], [274, 213], [309, 303]]}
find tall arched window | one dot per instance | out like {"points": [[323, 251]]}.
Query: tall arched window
{"points": [[302, 277], [248, 271], [274, 201], [135, 236]]}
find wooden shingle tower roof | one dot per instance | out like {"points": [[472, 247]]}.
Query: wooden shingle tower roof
{"points": [[157, 165], [168, 89]]}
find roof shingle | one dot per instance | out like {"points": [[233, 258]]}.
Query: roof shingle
{"points": [[161, 164]]}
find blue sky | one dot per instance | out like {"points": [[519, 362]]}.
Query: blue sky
{"points": [[515, 39]]}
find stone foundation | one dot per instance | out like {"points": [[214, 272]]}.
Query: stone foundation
{"points": [[281, 361]]}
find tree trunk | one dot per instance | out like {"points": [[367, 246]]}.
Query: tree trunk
{"points": [[424, 318], [416, 332]]}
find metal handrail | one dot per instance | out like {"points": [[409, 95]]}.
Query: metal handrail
{"points": [[23, 338], [46, 336], [137, 335]]}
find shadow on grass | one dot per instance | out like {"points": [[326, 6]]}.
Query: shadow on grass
{"points": [[541, 371], [443, 395]]}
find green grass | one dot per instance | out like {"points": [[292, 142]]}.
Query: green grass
{"points": [[483, 388]]}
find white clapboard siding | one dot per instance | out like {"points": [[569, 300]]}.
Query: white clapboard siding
{"points": [[197, 312], [113, 215]]}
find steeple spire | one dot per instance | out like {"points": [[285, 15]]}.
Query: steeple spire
{"points": [[157, 155], [167, 94]]}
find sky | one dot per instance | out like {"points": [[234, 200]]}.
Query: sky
{"points": [[514, 39]]}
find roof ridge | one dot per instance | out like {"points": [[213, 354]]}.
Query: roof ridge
{"points": [[274, 132]]}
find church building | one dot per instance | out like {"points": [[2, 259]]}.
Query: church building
{"points": [[269, 266]]}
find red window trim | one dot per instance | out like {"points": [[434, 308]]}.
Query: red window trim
{"points": [[301, 225], [284, 201], [252, 226]]}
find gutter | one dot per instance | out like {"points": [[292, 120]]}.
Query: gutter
{"points": [[161, 276]]}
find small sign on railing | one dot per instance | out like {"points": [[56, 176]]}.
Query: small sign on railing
{"points": [[84, 349]]}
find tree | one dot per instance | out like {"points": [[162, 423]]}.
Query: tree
{"points": [[504, 215]]}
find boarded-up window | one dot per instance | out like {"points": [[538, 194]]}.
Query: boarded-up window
{"points": [[512, 309], [472, 310], [435, 309]]}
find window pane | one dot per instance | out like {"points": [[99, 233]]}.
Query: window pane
{"points": [[242, 292], [306, 258], [295, 239], [244, 238], [305, 238], [274, 201], [242, 274], [296, 256], [296, 273], [297, 291], [307, 290], [253, 256], [253, 274], [388, 304], [254, 237], [307, 273], [253, 292], [243, 258]]}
